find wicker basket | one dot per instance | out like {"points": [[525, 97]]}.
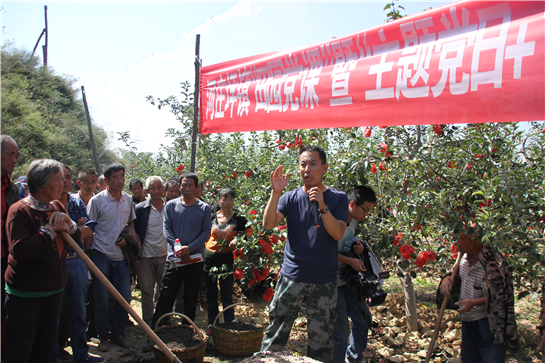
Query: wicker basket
{"points": [[237, 343], [194, 354]]}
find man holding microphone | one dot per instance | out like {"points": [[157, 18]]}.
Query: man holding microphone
{"points": [[309, 270]]}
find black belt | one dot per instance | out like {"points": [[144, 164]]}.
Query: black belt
{"points": [[71, 256]]}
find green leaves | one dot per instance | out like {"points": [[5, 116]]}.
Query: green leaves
{"points": [[428, 190], [42, 112], [394, 13]]}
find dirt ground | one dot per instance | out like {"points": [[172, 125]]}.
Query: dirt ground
{"points": [[389, 340]]}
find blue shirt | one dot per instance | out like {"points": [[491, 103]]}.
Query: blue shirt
{"points": [[310, 255], [345, 246], [191, 224], [76, 210]]}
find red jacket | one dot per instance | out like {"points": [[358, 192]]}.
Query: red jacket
{"points": [[35, 263]]}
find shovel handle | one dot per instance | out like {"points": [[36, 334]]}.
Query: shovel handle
{"points": [[441, 312], [118, 297]]}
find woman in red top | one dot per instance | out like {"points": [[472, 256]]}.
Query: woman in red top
{"points": [[36, 271]]}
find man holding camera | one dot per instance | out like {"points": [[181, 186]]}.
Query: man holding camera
{"points": [[361, 200]]}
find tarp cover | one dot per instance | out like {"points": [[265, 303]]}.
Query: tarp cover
{"points": [[467, 62]]}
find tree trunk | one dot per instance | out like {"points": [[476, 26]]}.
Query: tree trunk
{"points": [[541, 348], [410, 300]]}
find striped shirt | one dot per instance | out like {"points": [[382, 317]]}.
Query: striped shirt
{"points": [[472, 287]]}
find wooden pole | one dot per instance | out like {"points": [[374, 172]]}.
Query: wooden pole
{"points": [[541, 326], [443, 307], [119, 298], [93, 146], [38, 42], [196, 103], [44, 47]]}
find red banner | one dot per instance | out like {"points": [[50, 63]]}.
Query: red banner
{"points": [[467, 62]]}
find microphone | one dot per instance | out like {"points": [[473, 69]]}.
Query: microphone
{"points": [[315, 205]]}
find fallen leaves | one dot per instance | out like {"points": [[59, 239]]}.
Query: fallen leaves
{"points": [[392, 340]]}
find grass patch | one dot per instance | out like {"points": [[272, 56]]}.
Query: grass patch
{"points": [[425, 283], [391, 288]]}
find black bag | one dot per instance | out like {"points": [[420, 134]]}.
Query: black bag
{"points": [[364, 285], [453, 298]]}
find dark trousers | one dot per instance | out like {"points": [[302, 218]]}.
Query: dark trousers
{"points": [[191, 275], [64, 322], [117, 272], [478, 343], [226, 291], [3, 266], [349, 306], [90, 314], [72, 322], [31, 327]]}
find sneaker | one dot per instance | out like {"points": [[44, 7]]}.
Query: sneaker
{"points": [[104, 345], [122, 341], [90, 359], [147, 347]]}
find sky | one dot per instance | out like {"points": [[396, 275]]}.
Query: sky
{"points": [[122, 52]]}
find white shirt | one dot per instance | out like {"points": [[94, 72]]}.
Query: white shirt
{"points": [[155, 244]]}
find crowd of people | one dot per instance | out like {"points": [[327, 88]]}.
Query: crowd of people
{"points": [[167, 236]]}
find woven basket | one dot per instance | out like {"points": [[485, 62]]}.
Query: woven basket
{"points": [[237, 343], [194, 354]]}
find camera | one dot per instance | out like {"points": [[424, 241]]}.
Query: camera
{"points": [[367, 286]]}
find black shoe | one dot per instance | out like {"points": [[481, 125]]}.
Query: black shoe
{"points": [[122, 341], [104, 345], [64, 355], [147, 347], [91, 359]]}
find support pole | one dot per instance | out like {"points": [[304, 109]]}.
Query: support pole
{"points": [[95, 156], [153, 337], [44, 47], [196, 103], [38, 42]]}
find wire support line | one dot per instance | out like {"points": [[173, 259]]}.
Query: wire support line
{"points": [[181, 36], [13, 11]]}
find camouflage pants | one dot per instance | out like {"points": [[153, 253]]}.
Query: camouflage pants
{"points": [[320, 301]]}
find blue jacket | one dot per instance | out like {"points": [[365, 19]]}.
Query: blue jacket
{"points": [[142, 211]]}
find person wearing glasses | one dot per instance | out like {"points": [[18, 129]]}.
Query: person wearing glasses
{"points": [[361, 200]]}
